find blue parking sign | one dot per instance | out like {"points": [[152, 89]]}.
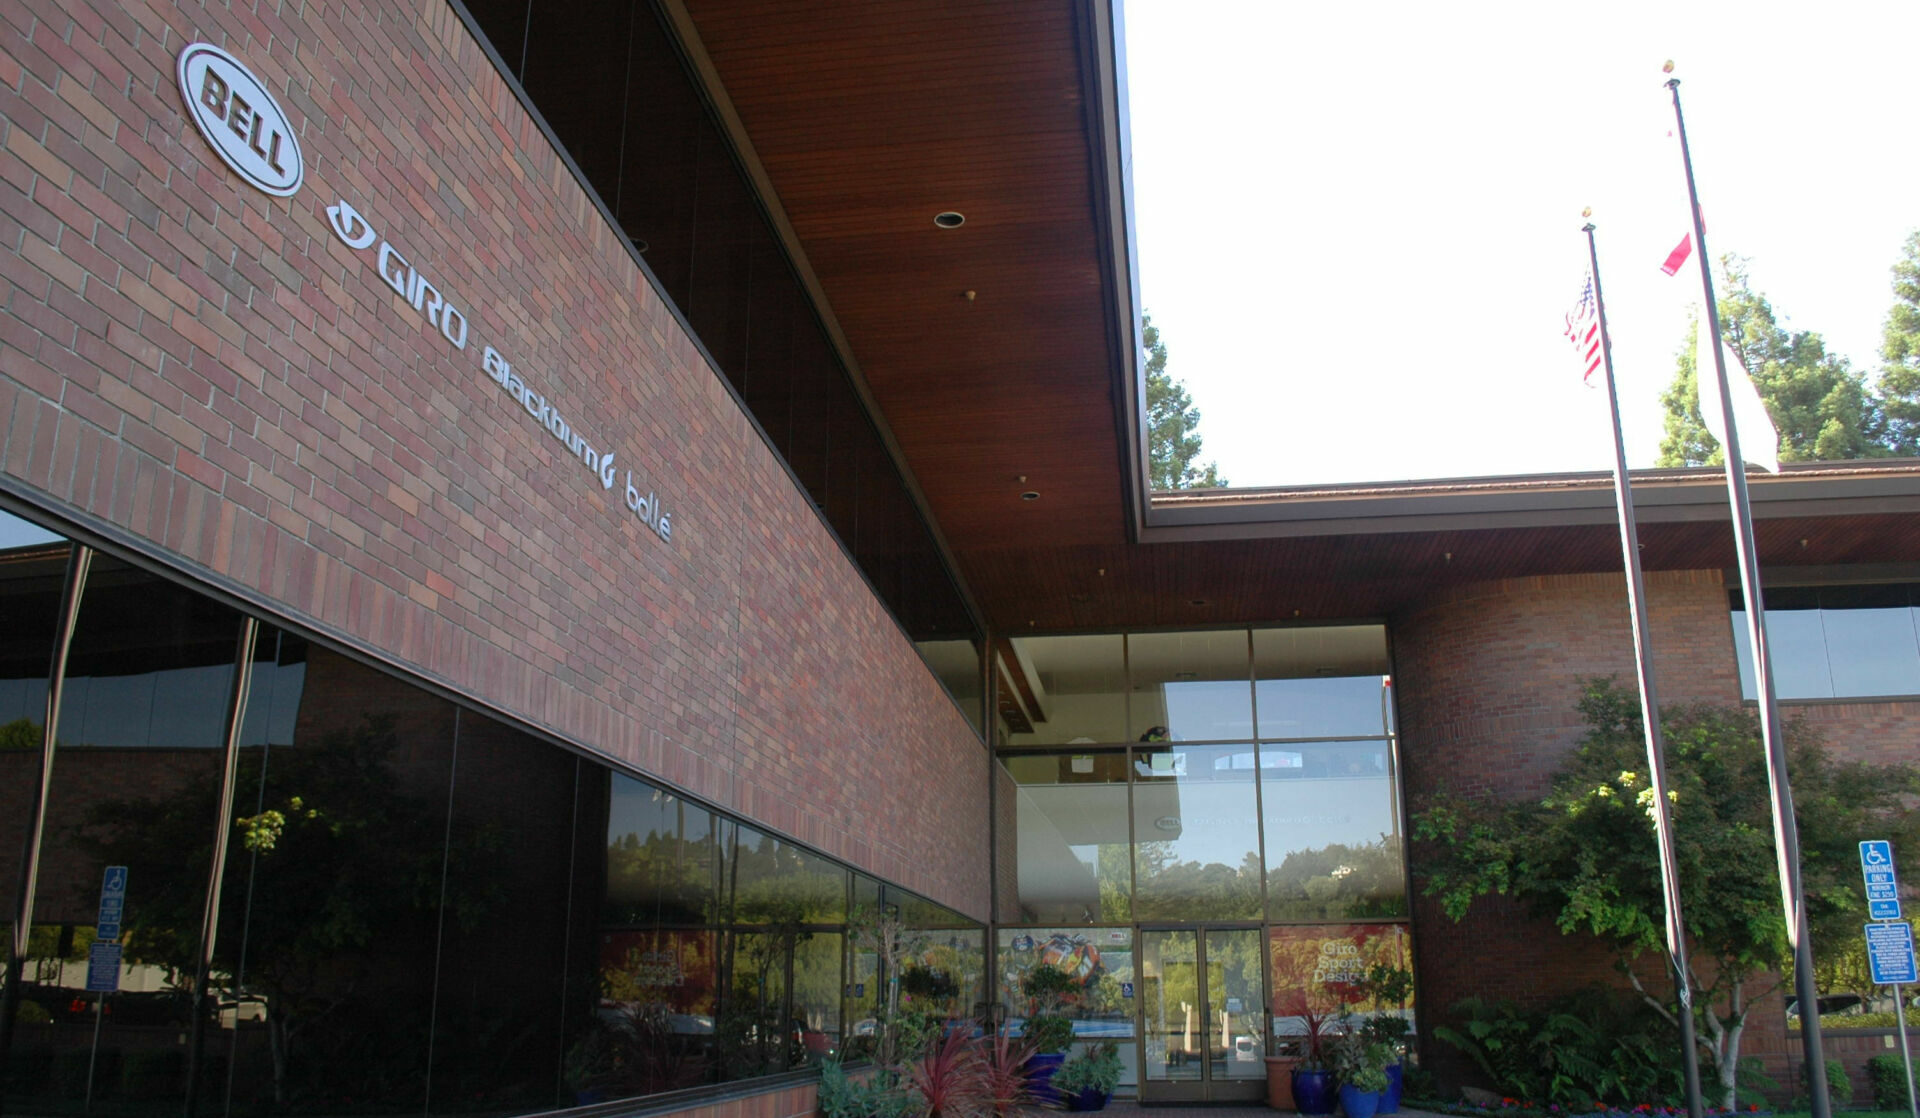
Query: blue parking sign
{"points": [[1883, 889], [1890, 953], [113, 902]]}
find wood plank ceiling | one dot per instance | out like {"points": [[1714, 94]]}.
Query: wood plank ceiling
{"points": [[872, 116]]}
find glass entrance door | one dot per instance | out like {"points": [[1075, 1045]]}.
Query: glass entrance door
{"points": [[1201, 1002]]}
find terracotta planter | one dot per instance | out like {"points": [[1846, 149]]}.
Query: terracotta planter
{"points": [[1280, 1081]]}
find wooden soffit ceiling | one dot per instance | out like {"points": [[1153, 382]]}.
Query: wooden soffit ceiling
{"points": [[989, 349]]}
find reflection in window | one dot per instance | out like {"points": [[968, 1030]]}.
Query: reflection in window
{"points": [[660, 857], [1332, 826], [1326, 970], [33, 569], [1321, 681], [1189, 687], [1101, 961], [1070, 836], [1065, 690], [957, 665], [767, 881], [1196, 829], [1835, 642], [136, 783], [331, 912]]}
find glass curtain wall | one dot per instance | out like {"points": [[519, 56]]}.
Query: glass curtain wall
{"points": [[1240, 784], [419, 908]]}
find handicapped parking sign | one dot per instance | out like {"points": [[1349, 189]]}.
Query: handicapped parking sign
{"points": [[1883, 890]]}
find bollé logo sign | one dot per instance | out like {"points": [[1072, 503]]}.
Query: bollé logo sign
{"points": [[240, 119]]}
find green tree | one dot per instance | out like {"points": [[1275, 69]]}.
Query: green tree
{"points": [[1900, 349], [1820, 405], [1584, 854], [1173, 424]]}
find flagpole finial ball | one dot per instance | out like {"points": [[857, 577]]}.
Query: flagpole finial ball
{"points": [[1668, 68]]}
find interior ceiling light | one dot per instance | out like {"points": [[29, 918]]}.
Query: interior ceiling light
{"points": [[949, 219]]}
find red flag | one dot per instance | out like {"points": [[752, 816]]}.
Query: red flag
{"points": [[1678, 256]]}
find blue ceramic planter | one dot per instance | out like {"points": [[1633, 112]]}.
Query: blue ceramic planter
{"points": [[1040, 1068], [1358, 1103], [1313, 1091], [1390, 1098]]}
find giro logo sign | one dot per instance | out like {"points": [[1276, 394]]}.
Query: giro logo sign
{"points": [[444, 315], [240, 119]]}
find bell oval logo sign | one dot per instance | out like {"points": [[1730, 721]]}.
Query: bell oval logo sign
{"points": [[240, 119]]}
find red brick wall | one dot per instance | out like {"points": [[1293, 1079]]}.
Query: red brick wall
{"points": [[1487, 676], [213, 371]]}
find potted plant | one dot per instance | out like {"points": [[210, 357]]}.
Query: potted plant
{"points": [[1388, 983], [1362, 1067], [1281, 1064], [1048, 1030], [1086, 1081], [1312, 1077]]}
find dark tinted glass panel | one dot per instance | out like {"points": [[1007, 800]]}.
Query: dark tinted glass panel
{"points": [[332, 902], [1332, 827], [655, 198], [576, 65], [957, 664], [33, 565], [661, 855], [136, 782], [505, 943], [765, 881]]}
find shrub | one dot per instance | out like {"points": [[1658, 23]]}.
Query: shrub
{"points": [[1589, 1047], [1096, 1066], [1889, 1078]]}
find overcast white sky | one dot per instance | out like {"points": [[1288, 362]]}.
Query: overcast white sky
{"points": [[1358, 224]]}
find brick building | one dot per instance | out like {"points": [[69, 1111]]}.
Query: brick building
{"points": [[531, 519]]}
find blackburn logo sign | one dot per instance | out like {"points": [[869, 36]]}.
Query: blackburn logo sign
{"points": [[240, 119]]}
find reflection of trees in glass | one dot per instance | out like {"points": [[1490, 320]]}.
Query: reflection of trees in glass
{"points": [[350, 869], [769, 881], [1168, 889], [757, 1032], [664, 878], [1340, 882]]}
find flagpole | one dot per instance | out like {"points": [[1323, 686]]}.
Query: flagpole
{"points": [[1786, 833], [1649, 706]]}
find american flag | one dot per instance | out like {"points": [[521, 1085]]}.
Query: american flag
{"points": [[1583, 331]]}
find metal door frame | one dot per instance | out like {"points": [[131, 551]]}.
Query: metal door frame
{"points": [[1206, 1089]]}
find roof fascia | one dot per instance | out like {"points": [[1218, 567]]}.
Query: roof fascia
{"points": [[1535, 501]]}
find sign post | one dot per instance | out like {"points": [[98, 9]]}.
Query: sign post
{"points": [[1889, 943], [103, 957]]}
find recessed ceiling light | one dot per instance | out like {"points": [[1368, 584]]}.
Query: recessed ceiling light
{"points": [[1030, 495], [949, 219]]}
